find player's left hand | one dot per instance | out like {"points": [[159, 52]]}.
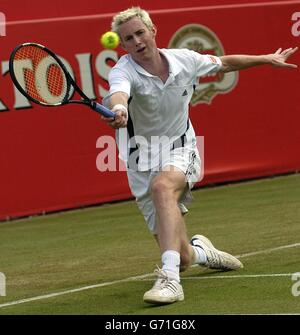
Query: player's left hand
{"points": [[280, 57]]}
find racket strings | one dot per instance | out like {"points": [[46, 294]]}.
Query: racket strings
{"points": [[55, 79], [40, 75]]}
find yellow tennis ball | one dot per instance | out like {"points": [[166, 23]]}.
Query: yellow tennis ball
{"points": [[110, 40]]}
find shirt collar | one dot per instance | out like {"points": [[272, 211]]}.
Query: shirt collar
{"points": [[139, 68], [174, 66]]}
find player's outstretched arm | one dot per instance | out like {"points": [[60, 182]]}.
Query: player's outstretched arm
{"points": [[240, 62], [118, 104]]}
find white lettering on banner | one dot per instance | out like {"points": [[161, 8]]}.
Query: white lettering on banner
{"points": [[41, 84], [20, 100], [70, 70], [2, 24], [86, 79], [5, 69], [21, 66], [85, 69], [103, 68], [296, 25]]}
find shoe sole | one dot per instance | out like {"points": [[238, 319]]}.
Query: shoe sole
{"points": [[208, 244], [162, 301]]}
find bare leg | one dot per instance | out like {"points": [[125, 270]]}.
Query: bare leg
{"points": [[186, 250], [167, 188]]}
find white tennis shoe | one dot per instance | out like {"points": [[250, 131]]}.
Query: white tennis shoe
{"points": [[216, 259], [164, 290]]}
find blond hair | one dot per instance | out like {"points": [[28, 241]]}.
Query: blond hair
{"points": [[128, 14]]}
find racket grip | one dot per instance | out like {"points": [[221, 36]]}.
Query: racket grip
{"points": [[102, 110]]}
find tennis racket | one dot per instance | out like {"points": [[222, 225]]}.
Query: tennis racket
{"points": [[41, 76]]}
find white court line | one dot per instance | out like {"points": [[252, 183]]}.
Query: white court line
{"points": [[55, 294], [239, 276], [50, 295], [268, 250]]}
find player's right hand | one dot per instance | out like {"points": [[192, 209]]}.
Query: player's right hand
{"points": [[121, 118]]}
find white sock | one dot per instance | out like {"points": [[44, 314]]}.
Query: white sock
{"points": [[200, 255], [170, 264]]}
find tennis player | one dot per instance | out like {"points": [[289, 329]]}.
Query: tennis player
{"points": [[150, 91]]}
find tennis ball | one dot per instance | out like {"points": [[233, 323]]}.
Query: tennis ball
{"points": [[110, 40]]}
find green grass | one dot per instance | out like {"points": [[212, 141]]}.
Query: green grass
{"points": [[59, 252]]}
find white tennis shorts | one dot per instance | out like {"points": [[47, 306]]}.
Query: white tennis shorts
{"points": [[186, 159]]}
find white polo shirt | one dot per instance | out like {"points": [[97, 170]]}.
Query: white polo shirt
{"points": [[155, 108]]}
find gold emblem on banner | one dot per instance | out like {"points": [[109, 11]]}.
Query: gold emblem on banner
{"points": [[201, 39]]}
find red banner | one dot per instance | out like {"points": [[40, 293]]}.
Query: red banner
{"points": [[48, 156]]}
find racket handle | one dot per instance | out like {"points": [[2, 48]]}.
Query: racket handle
{"points": [[102, 110]]}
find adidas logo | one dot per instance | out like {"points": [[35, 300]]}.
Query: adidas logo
{"points": [[184, 93]]}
